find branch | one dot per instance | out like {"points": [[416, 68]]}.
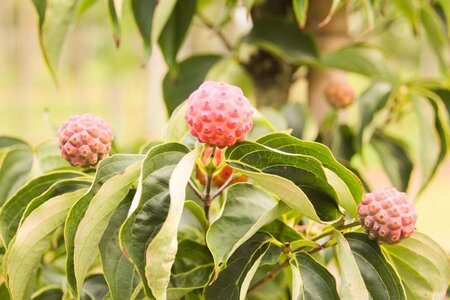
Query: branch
{"points": [[219, 33], [269, 276], [195, 189], [224, 186]]}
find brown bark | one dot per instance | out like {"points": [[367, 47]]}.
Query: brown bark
{"points": [[270, 74], [329, 37]]}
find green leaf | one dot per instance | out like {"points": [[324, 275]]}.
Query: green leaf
{"points": [[7, 141], [433, 124], [435, 33], [4, 293], [115, 13], [352, 283], [177, 127], [408, 9], [229, 283], [192, 72], [174, 32], [15, 166], [95, 288], [191, 270], [317, 282], [163, 11], [119, 272], [55, 20], [445, 5], [289, 144], [147, 216], [193, 223], [299, 180], [163, 247], [371, 102], [300, 10], [422, 265], [143, 11], [32, 239], [281, 232], [395, 159], [360, 59], [284, 39], [13, 209], [380, 278], [107, 169], [246, 209], [49, 157], [90, 227]]}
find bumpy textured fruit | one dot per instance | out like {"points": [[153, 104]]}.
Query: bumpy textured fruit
{"points": [[219, 114], [387, 216], [339, 93], [84, 140], [223, 174]]}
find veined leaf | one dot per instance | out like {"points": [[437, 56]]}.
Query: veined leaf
{"points": [[395, 160], [284, 39], [299, 180], [352, 283], [228, 285], [143, 11], [423, 266], [107, 169], [172, 35], [380, 278], [96, 218], [12, 210], [191, 270], [191, 73], [32, 239], [317, 282], [290, 144], [15, 166], [161, 251], [145, 221], [246, 209], [119, 272]]}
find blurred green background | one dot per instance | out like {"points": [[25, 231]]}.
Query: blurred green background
{"points": [[117, 85]]}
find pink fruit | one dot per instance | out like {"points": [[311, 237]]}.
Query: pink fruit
{"points": [[84, 140], [339, 93], [387, 216], [219, 114]]}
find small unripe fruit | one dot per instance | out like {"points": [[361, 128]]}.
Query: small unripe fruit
{"points": [[219, 114], [84, 140], [339, 93], [224, 173], [387, 216]]}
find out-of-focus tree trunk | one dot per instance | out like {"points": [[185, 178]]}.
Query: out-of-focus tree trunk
{"points": [[270, 74], [329, 37]]}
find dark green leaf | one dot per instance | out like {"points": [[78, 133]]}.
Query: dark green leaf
{"points": [[143, 11], [246, 209], [284, 39], [149, 214], [48, 293], [380, 278], [317, 282], [174, 32], [395, 160], [192, 71], [320, 152], [228, 285], [372, 101], [422, 265], [299, 180], [115, 11], [95, 288]]}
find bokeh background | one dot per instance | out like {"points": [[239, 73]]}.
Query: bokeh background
{"points": [[119, 86]]}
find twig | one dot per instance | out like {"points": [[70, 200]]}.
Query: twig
{"points": [[350, 225], [269, 276], [207, 197], [219, 33], [224, 186], [195, 189]]}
